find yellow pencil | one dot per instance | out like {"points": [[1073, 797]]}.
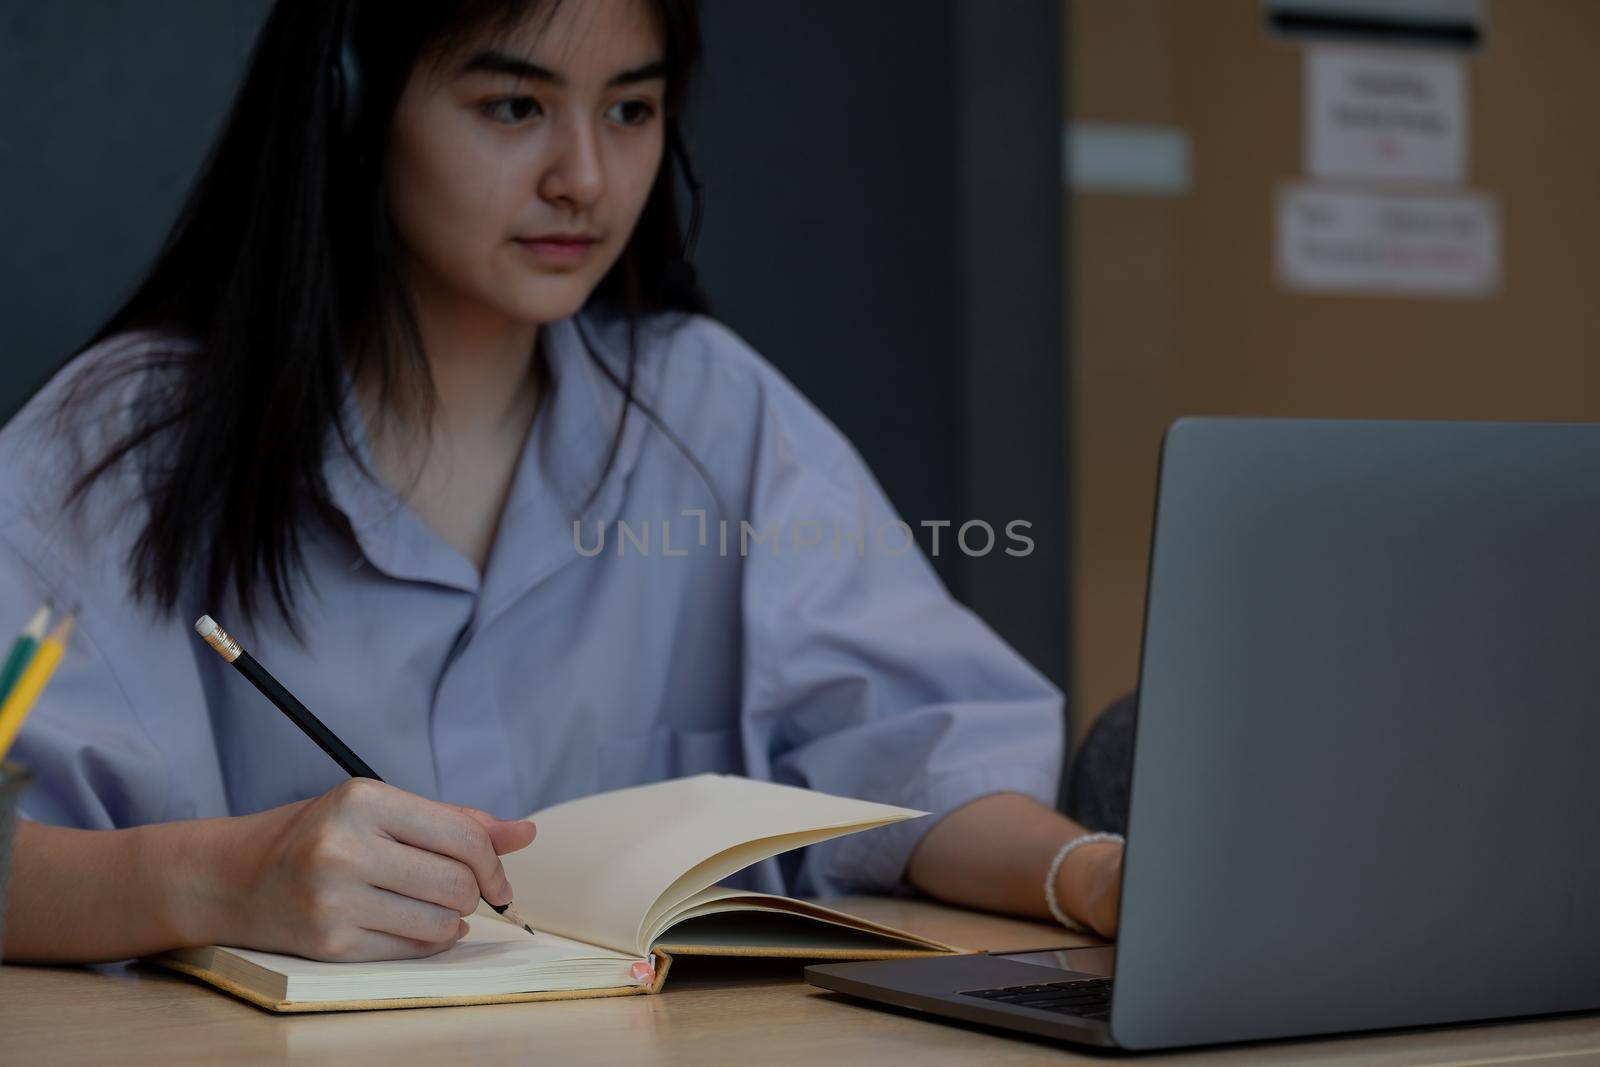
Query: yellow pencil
{"points": [[33, 680]]}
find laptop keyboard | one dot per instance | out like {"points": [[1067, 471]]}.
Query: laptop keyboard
{"points": [[1088, 998]]}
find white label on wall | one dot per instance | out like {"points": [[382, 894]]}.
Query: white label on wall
{"points": [[1124, 158], [1344, 241], [1385, 113]]}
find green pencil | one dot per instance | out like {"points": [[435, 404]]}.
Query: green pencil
{"points": [[22, 650]]}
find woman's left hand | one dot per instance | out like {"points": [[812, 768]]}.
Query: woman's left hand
{"points": [[1089, 886], [995, 852]]}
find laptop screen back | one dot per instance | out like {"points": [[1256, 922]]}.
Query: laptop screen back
{"points": [[1365, 786]]}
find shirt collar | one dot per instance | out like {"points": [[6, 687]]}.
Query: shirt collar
{"points": [[562, 458]]}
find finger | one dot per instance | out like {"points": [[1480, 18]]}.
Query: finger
{"points": [[447, 830], [508, 835], [423, 875], [384, 912], [362, 945]]}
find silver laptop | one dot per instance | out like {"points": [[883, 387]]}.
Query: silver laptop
{"points": [[1365, 789]]}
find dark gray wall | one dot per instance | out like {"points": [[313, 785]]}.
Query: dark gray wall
{"points": [[883, 222], [106, 110], [831, 238]]}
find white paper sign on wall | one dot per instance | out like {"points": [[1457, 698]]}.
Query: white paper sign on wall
{"points": [[1385, 114], [1362, 243]]}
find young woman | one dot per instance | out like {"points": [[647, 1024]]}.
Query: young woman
{"points": [[422, 337]]}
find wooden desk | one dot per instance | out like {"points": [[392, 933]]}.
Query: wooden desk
{"points": [[712, 1012]]}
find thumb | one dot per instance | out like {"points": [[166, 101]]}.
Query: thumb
{"points": [[508, 835]]}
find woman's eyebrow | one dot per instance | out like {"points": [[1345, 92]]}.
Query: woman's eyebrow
{"points": [[501, 63]]}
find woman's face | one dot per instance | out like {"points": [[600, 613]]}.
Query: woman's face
{"points": [[517, 171]]}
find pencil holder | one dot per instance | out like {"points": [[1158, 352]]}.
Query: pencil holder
{"points": [[13, 781]]}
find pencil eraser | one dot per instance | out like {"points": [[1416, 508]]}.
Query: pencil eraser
{"points": [[205, 626]]}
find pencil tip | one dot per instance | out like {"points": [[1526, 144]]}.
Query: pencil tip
{"points": [[63, 629], [515, 917]]}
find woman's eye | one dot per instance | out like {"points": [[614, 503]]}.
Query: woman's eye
{"points": [[630, 112], [511, 110]]}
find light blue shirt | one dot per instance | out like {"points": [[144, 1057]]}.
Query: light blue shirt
{"points": [[819, 652]]}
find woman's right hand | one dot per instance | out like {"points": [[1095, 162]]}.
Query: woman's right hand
{"points": [[365, 871]]}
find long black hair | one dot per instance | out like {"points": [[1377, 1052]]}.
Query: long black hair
{"points": [[281, 266]]}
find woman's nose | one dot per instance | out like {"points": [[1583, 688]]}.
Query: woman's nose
{"points": [[574, 171]]}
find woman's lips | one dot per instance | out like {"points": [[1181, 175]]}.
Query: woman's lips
{"points": [[558, 248]]}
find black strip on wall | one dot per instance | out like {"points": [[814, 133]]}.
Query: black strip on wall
{"points": [[1455, 34]]}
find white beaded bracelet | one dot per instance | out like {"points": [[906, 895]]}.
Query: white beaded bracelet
{"points": [[1055, 868]]}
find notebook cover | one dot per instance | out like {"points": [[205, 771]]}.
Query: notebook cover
{"points": [[227, 985]]}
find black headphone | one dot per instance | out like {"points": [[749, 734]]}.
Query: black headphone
{"points": [[345, 73]]}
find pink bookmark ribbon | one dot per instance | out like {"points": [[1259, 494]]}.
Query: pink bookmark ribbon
{"points": [[643, 972]]}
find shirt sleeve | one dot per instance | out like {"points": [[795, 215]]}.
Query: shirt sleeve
{"points": [[121, 735], [92, 765], [863, 676]]}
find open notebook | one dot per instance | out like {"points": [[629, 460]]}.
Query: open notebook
{"points": [[616, 884]]}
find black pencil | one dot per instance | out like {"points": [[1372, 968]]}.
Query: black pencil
{"points": [[301, 716]]}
